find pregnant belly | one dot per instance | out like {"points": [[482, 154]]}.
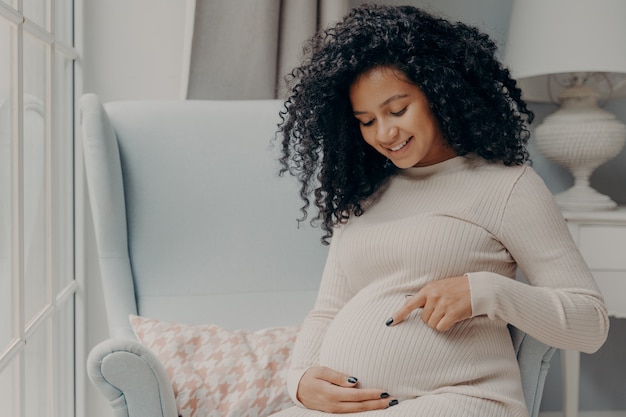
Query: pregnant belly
{"points": [[408, 359]]}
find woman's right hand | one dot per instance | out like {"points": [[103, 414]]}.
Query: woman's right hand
{"points": [[324, 389]]}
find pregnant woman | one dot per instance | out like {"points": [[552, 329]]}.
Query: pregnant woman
{"points": [[409, 138]]}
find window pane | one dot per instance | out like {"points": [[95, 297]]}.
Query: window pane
{"points": [[9, 394], [63, 21], [63, 146], [6, 37], [37, 369], [6, 305], [39, 380], [64, 359], [35, 10], [35, 283]]}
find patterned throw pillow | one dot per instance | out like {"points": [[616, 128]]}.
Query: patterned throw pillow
{"points": [[217, 372]]}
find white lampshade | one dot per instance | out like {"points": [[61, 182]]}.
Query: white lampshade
{"points": [[548, 37]]}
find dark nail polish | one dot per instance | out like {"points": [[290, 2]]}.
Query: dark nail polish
{"points": [[384, 395], [352, 380], [389, 322], [393, 402]]}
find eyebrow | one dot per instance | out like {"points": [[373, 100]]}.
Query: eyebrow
{"points": [[384, 103]]}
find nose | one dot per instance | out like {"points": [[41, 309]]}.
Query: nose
{"points": [[386, 133]]}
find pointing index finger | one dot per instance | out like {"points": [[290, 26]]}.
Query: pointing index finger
{"points": [[413, 302]]}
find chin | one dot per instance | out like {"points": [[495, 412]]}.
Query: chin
{"points": [[404, 164]]}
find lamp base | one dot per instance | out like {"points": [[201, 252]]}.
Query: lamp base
{"points": [[580, 136], [584, 198]]}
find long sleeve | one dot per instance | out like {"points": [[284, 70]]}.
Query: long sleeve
{"points": [[334, 293], [561, 305]]}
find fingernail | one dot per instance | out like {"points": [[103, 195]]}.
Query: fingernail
{"points": [[384, 395], [393, 402], [389, 322], [352, 380]]}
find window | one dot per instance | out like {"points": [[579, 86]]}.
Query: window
{"points": [[37, 280]]}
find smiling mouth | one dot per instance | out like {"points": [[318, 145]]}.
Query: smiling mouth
{"points": [[400, 146]]}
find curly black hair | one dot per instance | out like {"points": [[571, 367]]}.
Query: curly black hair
{"points": [[472, 96]]}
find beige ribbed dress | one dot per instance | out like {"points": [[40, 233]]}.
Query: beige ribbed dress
{"points": [[461, 216]]}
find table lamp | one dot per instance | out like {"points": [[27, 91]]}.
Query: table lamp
{"points": [[572, 52]]}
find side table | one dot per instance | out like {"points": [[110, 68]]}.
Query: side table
{"points": [[601, 238]]}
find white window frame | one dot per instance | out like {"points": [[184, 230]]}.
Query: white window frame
{"points": [[63, 292]]}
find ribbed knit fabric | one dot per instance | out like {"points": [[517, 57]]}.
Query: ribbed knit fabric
{"points": [[461, 216]]}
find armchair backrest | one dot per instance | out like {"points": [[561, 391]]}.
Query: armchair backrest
{"points": [[192, 221]]}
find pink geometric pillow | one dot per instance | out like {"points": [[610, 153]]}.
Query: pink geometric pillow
{"points": [[218, 372]]}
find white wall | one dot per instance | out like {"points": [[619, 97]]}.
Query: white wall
{"points": [[134, 50]]}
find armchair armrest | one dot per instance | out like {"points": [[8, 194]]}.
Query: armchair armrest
{"points": [[131, 377]]}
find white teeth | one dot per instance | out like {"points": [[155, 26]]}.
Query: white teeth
{"points": [[400, 146]]}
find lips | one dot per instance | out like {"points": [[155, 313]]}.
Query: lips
{"points": [[400, 146]]}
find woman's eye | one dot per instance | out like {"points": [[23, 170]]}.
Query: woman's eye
{"points": [[399, 113], [368, 123]]}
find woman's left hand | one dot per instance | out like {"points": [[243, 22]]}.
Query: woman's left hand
{"points": [[444, 302]]}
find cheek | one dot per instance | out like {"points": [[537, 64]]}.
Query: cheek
{"points": [[433, 126]]}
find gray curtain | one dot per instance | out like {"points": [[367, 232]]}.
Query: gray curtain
{"points": [[242, 49]]}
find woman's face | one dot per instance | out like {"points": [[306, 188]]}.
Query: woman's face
{"points": [[396, 120]]}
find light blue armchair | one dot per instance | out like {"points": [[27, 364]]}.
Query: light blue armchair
{"points": [[193, 225]]}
